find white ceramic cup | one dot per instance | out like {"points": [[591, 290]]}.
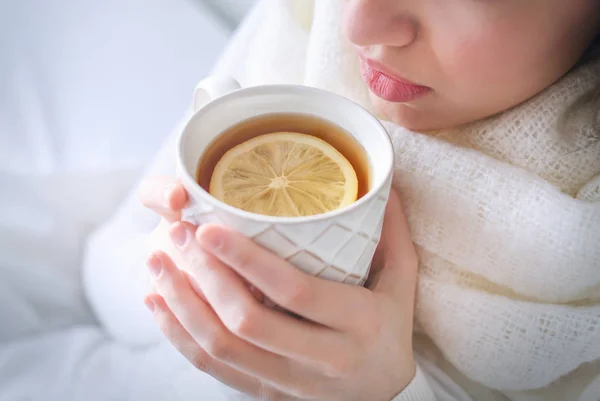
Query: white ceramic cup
{"points": [[338, 245]]}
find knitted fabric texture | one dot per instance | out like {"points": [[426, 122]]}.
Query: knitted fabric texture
{"points": [[505, 213]]}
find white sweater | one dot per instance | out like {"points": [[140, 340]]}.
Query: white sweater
{"points": [[74, 137], [450, 286]]}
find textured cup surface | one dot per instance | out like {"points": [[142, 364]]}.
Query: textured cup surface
{"points": [[338, 245]]}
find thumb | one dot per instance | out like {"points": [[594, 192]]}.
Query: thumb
{"points": [[396, 261]]}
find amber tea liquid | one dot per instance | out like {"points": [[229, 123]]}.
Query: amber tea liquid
{"points": [[286, 122]]}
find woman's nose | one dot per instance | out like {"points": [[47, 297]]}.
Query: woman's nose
{"points": [[380, 22]]}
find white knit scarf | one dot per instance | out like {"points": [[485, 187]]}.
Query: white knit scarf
{"points": [[505, 212]]}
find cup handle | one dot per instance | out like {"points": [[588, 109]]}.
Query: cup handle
{"points": [[205, 92], [211, 88]]}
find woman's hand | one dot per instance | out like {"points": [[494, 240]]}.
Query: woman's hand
{"points": [[353, 343], [164, 196]]}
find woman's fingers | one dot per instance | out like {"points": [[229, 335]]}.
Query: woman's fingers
{"points": [[200, 321], [164, 196], [285, 284], [244, 316], [189, 348]]}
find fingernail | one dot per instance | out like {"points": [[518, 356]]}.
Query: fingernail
{"points": [[155, 266], [150, 304], [179, 235]]}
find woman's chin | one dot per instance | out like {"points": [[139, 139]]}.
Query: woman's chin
{"points": [[404, 115], [423, 115]]}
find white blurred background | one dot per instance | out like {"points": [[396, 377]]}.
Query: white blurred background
{"points": [[103, 75], [89, 90], [231, 11]]}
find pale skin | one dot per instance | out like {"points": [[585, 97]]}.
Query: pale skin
{"points": [[352, 335], [479, 57]]}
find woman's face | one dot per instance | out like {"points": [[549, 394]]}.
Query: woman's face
{"points": [[433, 64]]}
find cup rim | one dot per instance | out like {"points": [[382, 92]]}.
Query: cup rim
{"points": [[265, 219]]}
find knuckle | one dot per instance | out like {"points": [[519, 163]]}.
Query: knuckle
{"points": [[299, 296], [219, 347], [202, 362], [201, 266], [170, 290], [307, 391], [265, 393], [244, 259], [370, 330], [243, 321], [171, 331], [341, 367], [370, 326], [205, 264]]}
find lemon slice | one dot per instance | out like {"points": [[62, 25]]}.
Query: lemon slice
{"points": [[285, 174]]}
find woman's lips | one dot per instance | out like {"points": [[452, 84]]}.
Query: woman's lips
{"points": [[390, 88]]}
